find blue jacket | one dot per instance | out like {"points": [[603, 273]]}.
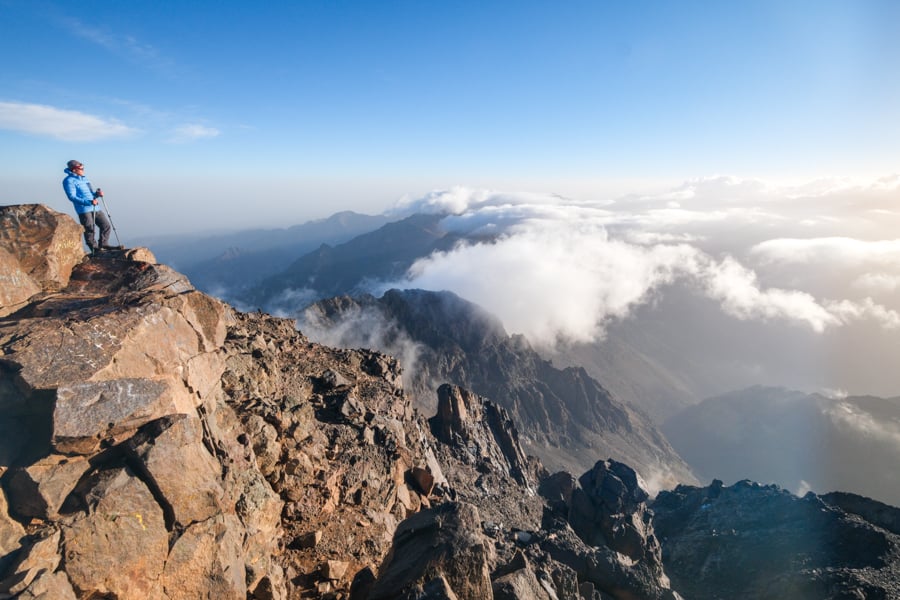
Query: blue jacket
{"points": [[80, 192]]}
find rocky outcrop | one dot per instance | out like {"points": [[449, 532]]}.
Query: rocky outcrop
{"points": [[438, 552], [483, 429], [755, 541], [600, 526], [120, 466], [39, 247], [566, 418]]}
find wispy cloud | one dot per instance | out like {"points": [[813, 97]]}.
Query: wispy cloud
{"points": [[829, 251], [120, 44], [846, 415], [190, 133], [66, 125]]}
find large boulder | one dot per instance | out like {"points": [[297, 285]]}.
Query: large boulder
{"points": [[609, 509], [442, 549], [39, 247], [39, 490]]}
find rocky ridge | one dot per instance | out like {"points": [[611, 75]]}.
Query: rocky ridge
{"points": [[566, 417]]}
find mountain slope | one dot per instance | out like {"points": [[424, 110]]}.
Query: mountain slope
{"points": [[381, 255], [800, 441], [566, 417]]}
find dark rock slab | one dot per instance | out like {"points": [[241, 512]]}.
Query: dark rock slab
{"points": [[88, 412], [443, 542]]}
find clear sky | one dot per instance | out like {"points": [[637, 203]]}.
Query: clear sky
{"points": [[209, 115]]}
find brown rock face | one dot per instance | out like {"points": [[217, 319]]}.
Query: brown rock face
{"points": [[117, 449], [39, 247], [119, 546]]}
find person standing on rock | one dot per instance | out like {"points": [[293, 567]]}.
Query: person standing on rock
{"points": [[82, 195]]}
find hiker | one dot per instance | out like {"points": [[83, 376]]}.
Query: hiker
{"points": [[83, 196]]}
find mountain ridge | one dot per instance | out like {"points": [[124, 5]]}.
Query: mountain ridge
{"points": [[159, 444]]}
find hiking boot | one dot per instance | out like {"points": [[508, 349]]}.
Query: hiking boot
{"points": [[110, 247]]}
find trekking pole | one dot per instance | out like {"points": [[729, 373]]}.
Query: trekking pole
{"points": [[109, 216]]}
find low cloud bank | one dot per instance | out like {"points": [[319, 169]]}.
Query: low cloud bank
{"points": [[557, 270]]}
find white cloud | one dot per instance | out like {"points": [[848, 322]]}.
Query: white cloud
{"points": [[66, 125], [877, 282], [847, 416], [737, 288], [829, 251], [550, 281], [190, 133], [867, 309], [460, 200]]}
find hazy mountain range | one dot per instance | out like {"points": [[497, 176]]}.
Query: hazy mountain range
{"points": [[229, 264]]}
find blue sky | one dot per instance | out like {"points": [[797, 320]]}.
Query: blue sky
{"points": [[210, 115]]}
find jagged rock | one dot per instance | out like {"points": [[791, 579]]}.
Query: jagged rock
{"points": [[206, 562], [49, 586], [140, 255], [468, 420], [877, 513], [558, 489], [119, 546], [38, 556], [309, 540], [265, 443], [40, 489], [521, 584], [44, 244], [11, 533], [600, 527], [423, 479], [335, 569], [16, 287], [87, 413], [174, 460], [609, 509], [760, 541], [271, 586], [446, 542], [608, 572]]}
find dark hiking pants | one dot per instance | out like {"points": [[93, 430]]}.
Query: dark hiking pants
{"points": [[92, 221]]}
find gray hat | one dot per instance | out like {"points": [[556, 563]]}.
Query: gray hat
{"points": [[74, 163]]}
